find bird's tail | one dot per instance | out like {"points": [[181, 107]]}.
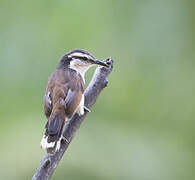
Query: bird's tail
{"points": [[51, 140]]}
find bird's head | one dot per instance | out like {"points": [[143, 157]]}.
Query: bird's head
{"points": [[80, 57], [80, 60]]}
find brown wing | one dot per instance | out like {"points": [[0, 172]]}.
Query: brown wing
{"points": [[63, 95], [67, 85], [72, 101], [47, 104]]}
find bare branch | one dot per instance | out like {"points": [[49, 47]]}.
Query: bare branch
{"points": [[98, 83]]}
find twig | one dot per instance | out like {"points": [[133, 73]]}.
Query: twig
{"points": [[49, 162]]}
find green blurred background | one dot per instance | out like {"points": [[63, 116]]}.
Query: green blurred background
{"points": [[141, 126]]}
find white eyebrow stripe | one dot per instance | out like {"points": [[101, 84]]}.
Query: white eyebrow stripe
{"points": [[79, 55]]}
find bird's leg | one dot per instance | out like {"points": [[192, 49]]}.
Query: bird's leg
{"points": [[63, 139], [86, 109]]}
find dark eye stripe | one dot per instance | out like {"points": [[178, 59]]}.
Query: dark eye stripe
{"points": [[81, 57]]}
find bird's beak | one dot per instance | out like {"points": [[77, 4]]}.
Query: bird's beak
{"points": [[101, 63]]}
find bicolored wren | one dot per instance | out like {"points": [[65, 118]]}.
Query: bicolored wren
{"points": [[64, 95]]}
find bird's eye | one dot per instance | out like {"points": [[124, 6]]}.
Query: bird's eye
{"points": [[69, 57], [84, 58]]}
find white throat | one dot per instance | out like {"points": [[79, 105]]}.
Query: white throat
{"points": [[80, 67]]}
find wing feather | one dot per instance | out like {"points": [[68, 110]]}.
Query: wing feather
{"points": [[47, 104]]}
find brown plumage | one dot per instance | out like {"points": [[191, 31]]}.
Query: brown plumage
{"points": [[64, 95], [65, 88]]}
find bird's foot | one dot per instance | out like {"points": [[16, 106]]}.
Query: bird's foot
{"points": [[63, 139], [86, 109]]}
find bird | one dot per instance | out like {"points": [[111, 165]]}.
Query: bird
{"points": [[64, 95]]}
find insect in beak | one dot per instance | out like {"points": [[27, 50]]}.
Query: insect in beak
{"points": [[101, 63]]}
